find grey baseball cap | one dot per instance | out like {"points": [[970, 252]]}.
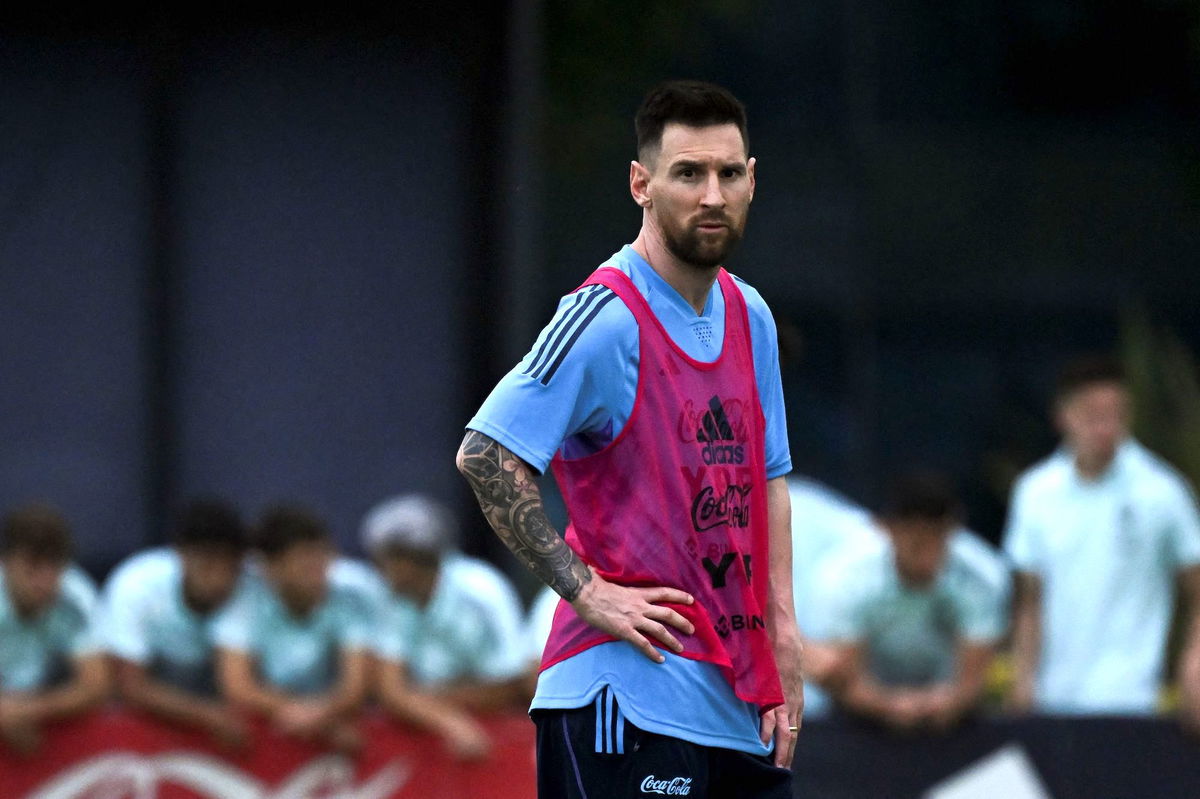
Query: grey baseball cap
{"points": [[410, 521]]}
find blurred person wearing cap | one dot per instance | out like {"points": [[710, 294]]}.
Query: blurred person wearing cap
{"points": [[673, 660], [159, 609], [293, 647], [1101, 533], [450, 640], [51, 662], [913, 623]]}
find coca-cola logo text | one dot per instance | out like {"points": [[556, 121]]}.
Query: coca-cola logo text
{"points": [[678, 786]]}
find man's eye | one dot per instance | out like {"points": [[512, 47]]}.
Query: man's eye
{"points": [[687, 173]]}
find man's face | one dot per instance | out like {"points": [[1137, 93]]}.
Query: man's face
{"points": [[299, 574], [919, 546], [1094, 420], [32, 581], [209, 575], [409, 574], [699, 189]]}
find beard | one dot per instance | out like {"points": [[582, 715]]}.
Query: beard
{"points": [[700, 250]]}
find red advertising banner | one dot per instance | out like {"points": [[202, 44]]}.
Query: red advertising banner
{"points": [[122, 755]]}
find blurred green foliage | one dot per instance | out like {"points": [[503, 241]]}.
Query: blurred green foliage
{"points": [[1164, 381]]}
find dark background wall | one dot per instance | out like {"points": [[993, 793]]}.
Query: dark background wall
{"points": [[234, 260], [286, 257]]}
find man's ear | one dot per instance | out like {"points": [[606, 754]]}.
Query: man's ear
{"points": [[639, 183]]}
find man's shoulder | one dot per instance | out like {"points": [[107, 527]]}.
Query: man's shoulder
{"points": [[1049, 475], [355, 581], [1154, 475], [756, 306], [590, 321], [860, 570], [77, 593], [976, 562], [475, 578], [146, 570]]}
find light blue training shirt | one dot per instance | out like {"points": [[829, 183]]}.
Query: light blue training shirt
{"points": [[35, 651], [575, 390], [299, 654], [471, 628], [910, 635], [147, 621]]}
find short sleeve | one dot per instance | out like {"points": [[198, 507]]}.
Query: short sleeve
{"points": [[764, 340], [844, 596], [123, 614], [539, 621], [396, 631], [357, 620], [84, 637], [504, 653], [234, 627], [1021, 534], [982, 610], [1183, 526], [579, 376]]}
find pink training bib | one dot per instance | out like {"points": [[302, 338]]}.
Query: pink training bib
{"points": [[679, 499]]}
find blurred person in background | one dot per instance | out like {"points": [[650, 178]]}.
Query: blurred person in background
{"points": [[825, 527], [293, 646], [159, 608], [450, 640], [675, 660], [1099, 533], [51, 662], [538, 621], [914, 623]]}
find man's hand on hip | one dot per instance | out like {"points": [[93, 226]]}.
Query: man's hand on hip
{"points": [[634, 615]]}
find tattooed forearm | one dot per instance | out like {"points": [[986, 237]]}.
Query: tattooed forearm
{"points": [[509, 496]]}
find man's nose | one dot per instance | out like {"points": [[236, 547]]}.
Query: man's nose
{"points": [[713, 197]]}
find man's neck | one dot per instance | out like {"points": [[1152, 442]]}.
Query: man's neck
{"points": [[1092, 469], [692, 282]]}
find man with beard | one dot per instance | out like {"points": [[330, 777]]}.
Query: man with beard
{"points": [[673, 663], [160, 607]]}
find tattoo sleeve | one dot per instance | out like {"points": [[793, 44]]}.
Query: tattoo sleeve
{"points": [[512, 503]]}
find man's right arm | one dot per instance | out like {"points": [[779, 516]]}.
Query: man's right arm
{"points": [[1027, 639], [240, 685], [511, 501], [141, 690], [462, 735]]}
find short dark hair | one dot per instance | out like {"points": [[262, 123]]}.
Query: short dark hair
{"points": [[209, 522], [687, 102], [37, 530], [1086, 371], [922, 495], [284, 526]]}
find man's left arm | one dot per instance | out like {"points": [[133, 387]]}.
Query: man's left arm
{"points": [[1189, 654], [329, 716], [946, 703], [781, 625], [22, 715]]}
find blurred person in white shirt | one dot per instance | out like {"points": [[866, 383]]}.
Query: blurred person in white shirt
{"points": [[451, 642], [1100, 533]]}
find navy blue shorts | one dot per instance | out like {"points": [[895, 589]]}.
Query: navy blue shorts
{"points": [[594, 752]]}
